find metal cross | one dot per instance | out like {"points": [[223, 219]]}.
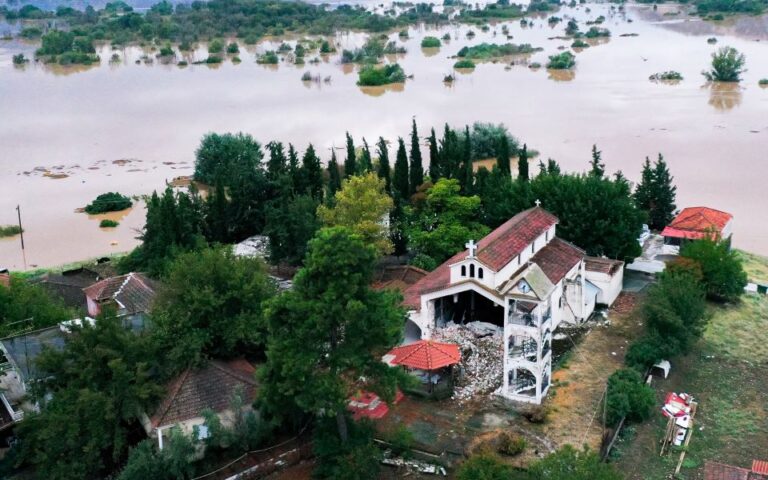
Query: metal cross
{"points": [[472, 246]]}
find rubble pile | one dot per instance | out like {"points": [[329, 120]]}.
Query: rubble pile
{"points": [[482, 349]]}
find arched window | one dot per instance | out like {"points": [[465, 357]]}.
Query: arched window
{"points": [[463, 271], [472, 270], [480, 273]]}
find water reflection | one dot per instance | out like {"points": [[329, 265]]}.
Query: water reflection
{"points": [[381, 90], [724, 96], [561, 75], [430, 51]]}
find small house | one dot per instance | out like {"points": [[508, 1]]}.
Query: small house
{"points": [[130, 295], [694, 223]]}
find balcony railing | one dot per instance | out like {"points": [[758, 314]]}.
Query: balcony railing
{"points": [[523, 319]]}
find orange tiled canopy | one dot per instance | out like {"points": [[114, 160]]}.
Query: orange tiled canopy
{"points": [[426, 355]]}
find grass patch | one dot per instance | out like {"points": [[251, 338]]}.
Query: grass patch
{"points": [[739, 331], [756, 266], [9, 230], [107, 223]]}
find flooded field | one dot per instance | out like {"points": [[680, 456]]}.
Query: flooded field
{"points": [[64, 131]]}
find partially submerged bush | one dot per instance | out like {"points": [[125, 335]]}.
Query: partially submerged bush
{"points": [[268, 58], [727, 66], [562, 61], [597, 32], [493, 50], [9, 230], [464, 64], [430, 42], [19, 59], [109, 202], [371, 76], [670, 75], [763, 82], [107, 223], [579, 43]]}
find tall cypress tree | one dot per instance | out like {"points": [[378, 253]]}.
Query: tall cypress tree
{"points": [[644, 191], [312, 174], [416, 167], [435, 169], [466, 174], [502, 156], [449, 153], [384, 170], [334, 178], [276, 165], [664, 195], [597, 167], [217, 213], [400, 186], [350, 163], [365, 165], [522, 164], [294, 170]]}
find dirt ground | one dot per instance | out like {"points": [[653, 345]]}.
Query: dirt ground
{"points": [[575, 415]]}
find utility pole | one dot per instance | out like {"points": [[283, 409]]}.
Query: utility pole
{"points": [[21, 229]]}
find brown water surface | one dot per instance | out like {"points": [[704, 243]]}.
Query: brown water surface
{"points": [[77, 123]]}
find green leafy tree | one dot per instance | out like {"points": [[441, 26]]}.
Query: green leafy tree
{"points": [[277, 165], [400, 183], [416, 174], [722, 270], [103, 368], [211, 307], [109, 202], [24, 305], [486, 466], [290, 225], [628, 396], [327, 334], [226, 155], [444, 222], [727, 65], [175, 462], [217, 212], [356, 459], [362, 205], [384, 170], [350, 162]]}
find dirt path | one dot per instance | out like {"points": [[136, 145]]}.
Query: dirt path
{"points": [[575, 415]]}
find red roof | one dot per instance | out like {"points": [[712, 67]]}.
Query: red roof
{"points": [[720, 471], [697, 222], [495, 250], [760, 466], [369, 405], [134, 292], [426, 355], [557, 258]]}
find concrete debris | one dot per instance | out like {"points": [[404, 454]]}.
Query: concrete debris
{"points": [[256, 246], [282, 284], [481, 369], [414, 465]]}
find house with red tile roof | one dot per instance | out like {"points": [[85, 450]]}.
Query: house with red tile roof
{"points": [[194, 391], [721, 471], [525, 280], [694, 223], [130, 295]]}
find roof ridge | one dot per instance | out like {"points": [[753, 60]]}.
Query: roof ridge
{"points": [[166, 405], [222, 366]]}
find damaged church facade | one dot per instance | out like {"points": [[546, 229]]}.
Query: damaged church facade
{"points": [[525, 280]]}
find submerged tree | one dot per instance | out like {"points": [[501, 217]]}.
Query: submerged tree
{"points": [[727, 65]]}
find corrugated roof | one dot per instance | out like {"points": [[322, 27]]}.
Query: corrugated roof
{"points": [[697, 222], [426, 355], [211, 387], [24, 349], [760, 466]]}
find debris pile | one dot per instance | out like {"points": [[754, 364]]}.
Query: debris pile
{"points": [[482, 349], [256, 246]]}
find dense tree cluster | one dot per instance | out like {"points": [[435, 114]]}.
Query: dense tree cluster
{"points": [[25, 306]]}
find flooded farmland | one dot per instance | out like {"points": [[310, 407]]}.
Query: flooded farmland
{"points": [[68, 134]]}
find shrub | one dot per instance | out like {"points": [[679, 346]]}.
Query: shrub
{"points": [[536, 414], [628, 396], [493, 50], [236, 59], [232, 48], [579, 43], [727, 65], [306, 77], [403, 34], [712, 40], [19, 59], [107, 223], [109, 202], [448, 78], [446, 37], [213, 59], [375, 76], [326, 47], [182, 63], [562, 61], [763, 82], [31, 32], [722, 271], [9, 230], [669, 75], [430, 42], [401, 441], [511, 444], [464, 63], [485, 466], [216, 46], [268, 58], [597, 32], [534, 65], [166, 51], [649, 350]]}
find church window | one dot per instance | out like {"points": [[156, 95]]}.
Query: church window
{"points": [[463, 271], [480, 273], [472, 270]]}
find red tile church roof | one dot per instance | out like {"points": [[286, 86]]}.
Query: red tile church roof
{"points": [[557, 258], [495, 250], [697, 222], [426, 355]]}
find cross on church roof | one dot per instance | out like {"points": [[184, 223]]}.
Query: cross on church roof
{"points": [[538, 202], [472, 246]]}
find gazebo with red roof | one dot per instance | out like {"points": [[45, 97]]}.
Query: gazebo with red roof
{"points": [[431, 361], [695, 223]]}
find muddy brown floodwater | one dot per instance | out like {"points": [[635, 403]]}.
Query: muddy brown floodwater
{"points": [[62, 129]]}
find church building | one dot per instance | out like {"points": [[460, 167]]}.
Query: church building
{"points": [[525, 280]]}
